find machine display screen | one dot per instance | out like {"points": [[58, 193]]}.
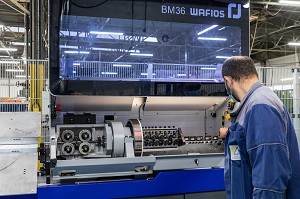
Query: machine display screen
{"points": [[101, 48], [146, 47]]}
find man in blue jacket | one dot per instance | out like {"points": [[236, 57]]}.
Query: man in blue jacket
{"points": [[262, 158]]}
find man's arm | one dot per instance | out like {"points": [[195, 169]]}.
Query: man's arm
{"points": [[268, 152]]}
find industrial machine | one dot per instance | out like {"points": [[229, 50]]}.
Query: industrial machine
{"points": [[164, 135], [135, 98]]}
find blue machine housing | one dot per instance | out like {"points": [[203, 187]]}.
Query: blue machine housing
{"points": [[164, 183]]}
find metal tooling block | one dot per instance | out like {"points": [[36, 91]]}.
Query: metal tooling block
{"points": [[18, 152]]}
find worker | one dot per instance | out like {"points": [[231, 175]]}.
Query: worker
{"points": [[262, 158]]}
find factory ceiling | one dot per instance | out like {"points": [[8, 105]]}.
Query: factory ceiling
{"points": [[272, 24]]}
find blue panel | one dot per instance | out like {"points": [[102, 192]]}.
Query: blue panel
{"points": [[165, 183], [29, 196]]}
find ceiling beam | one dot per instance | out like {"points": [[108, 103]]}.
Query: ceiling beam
{"points": [[20, 6], [274, 3]]}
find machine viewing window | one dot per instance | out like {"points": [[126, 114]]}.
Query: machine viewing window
{"points": [[99, 48]]}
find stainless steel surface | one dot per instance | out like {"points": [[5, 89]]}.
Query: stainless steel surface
{"points": [[18, 173], [189, 161], [103, 167], [94, 103], [20, 148], [182, 103], [118, 139], [17, 125], [137, 133], [18, 152]]}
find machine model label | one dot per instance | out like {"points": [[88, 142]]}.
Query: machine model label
{"points": [[234, 11], [234, 152]]}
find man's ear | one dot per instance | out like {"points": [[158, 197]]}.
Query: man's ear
{"points": [[227, 78]]}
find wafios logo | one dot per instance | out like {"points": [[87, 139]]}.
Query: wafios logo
{"points": [[234, 12]]}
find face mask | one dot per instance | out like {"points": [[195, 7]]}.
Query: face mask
{"points": [[231, 93]]}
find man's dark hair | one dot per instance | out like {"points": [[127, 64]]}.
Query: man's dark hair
{"points": [[239, 67]]}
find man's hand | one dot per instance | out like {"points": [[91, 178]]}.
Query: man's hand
{"points": [[223, 132]]}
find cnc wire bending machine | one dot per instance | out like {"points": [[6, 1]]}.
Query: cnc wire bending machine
{"points": [[137, 97]]}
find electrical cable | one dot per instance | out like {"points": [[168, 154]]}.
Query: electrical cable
{"points": [[94, 6]]}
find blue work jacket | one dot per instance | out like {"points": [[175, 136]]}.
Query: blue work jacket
{"points": [[262, 158]]}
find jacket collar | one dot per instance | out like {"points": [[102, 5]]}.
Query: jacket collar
{"points": [[245, 99]]}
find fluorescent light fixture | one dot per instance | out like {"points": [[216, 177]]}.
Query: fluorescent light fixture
{"points": [[74, 71], [122, 65], [141, 54], [4, 56], [212, 38], [22, 76], [222, 28], [18, 43], [69, 47], [207, 29], [109, 73], [8, 49], [9, 62], [223, 57], [246, 5], [289, 2], [286, 79], [76, 64], [146, 74], [208, 68], [1, 26], [116, 50], [294, 43], [76, 52], [106, 33], [150, 39], [181, 75], [14, 70]]}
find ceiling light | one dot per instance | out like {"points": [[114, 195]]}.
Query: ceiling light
{"points": [[20, 76], [222, 57], [70, 47], [141, 54], [222, 28], [8, 49], [208, 68], [286, 79], [150, 39], [14, 70], [294, 43], [207, 29], [1, 26], [4, 56], [212, 38], [115, 50], [76, 64], [18, 43], [246, 5], [9, 62], [106, 33], [122, 65], [76, 52], [109, 73], [289, 2], [181, 75], [146, 74]]}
